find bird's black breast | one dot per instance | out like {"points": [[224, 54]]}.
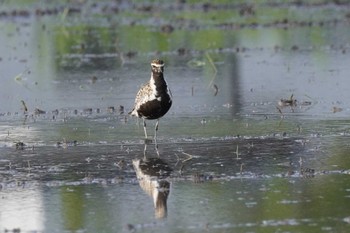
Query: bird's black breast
{"points": [[155, 109]]}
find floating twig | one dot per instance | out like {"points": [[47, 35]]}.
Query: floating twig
{"points": [[216, 89], [38, 111], [181, 168], [189, 157], [183, 161], [241, 169], [237, 152], [120, 164], [25, 109], [29, 167], [337, 109], [178, 159]]}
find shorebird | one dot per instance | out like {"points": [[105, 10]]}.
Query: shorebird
{"points": [[154, 98]]}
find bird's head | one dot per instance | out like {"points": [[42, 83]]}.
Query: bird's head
{"points": [[157, 66]]}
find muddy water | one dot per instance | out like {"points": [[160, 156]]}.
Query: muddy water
{"points": [[231, 158]]}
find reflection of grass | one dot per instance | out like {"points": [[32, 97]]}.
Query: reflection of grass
{"points": [[210, 18], [72, 207], [196, 28], [213, 66]]}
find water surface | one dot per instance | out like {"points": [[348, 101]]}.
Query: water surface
{"points": [[231, 158]]}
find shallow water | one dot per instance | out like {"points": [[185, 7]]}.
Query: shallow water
{"points": [[231, 158]]}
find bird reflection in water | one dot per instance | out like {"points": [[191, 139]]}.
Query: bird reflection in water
{"points": [[152, 174]]}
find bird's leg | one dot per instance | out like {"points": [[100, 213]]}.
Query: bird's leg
{"points": [[156, 129], [144, 151], [155, 137], [144, 127]]}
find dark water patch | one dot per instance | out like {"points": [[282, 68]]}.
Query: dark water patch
{"points": [[196, 161]]}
